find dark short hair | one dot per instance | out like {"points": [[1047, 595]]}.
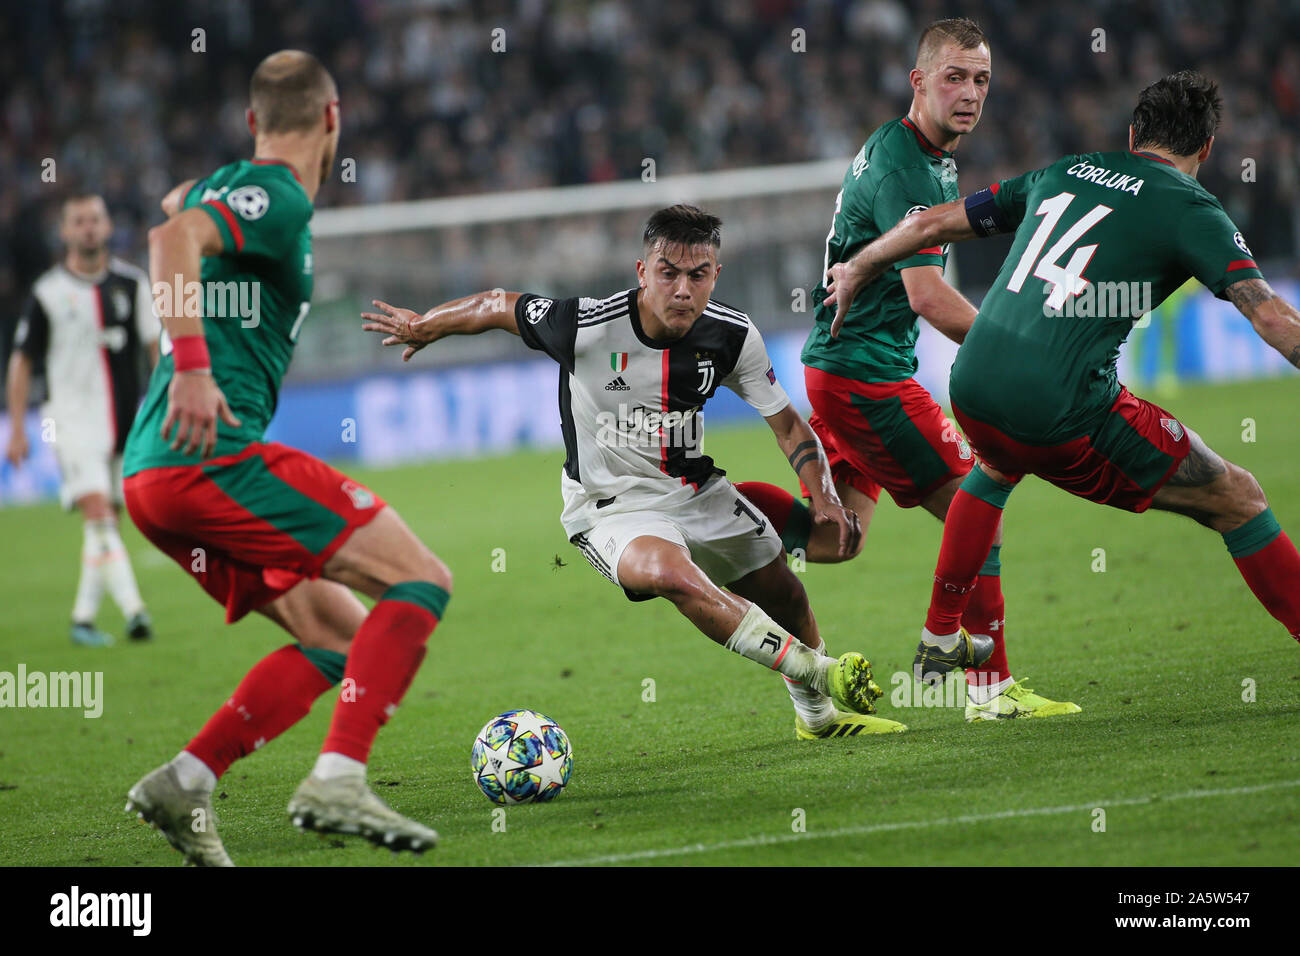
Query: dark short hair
{"points": [[683, 225], [1178, 113], [963, 31], [82, 196], [289, 91]]}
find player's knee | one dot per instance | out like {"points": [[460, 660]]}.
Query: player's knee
{"points": [[1247, 496], [855, 548], [1232, 499], [423, 565], [824, 546], [94, 507], [677, 581], [435, 571]]}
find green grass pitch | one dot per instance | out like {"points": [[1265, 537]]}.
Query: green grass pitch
{"points": [[1160, 650]]}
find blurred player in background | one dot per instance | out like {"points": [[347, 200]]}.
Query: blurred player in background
{"points": [[643, 504], [260, 526], [88, 322], [1035, 384], [881, 428]]}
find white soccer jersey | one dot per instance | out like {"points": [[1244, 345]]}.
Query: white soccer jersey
{"points": [[88, 333], [631, 407]]}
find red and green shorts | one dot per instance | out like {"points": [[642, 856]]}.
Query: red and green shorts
{"points": [[251, 525], [890, 435], [1128, 458]]}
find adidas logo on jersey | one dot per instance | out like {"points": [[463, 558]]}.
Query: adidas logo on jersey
{"points": [[618, 385]]}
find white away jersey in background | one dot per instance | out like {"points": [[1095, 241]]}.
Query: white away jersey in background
{"points": [[88, 334], [631, 408]]}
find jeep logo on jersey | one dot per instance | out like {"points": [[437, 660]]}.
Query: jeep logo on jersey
{"points": [[636, 426], [536, 310], [361, 498], [251, 202], [1174, 427], [1241, 244]]}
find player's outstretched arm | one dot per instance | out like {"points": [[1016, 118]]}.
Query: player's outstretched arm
{"points": [[931, 227], [471, 315], [1275, 320], [808, 459], [194, 402]]}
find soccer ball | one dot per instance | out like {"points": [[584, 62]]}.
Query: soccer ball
{"points": [[521, 757]]}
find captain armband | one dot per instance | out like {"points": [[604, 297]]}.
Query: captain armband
{"points": [[984, 215]]}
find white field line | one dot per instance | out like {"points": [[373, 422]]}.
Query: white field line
{"points": [[692, 848]]}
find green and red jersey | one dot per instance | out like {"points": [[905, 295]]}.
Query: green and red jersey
{"points": [[897, 172], [256, 293], [1100, 239]]}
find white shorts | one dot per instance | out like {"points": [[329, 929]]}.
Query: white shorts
{"points": [[726, 535], [85, 471]]}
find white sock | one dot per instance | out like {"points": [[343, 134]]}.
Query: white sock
{"points": [[981, 692], [331, 765], [945, 642], [814, 709], [90, 586], [116, 566], [193, 773], [761, 639]]}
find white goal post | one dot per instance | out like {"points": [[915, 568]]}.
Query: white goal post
{"points": [[699, 188], [570, 240]]}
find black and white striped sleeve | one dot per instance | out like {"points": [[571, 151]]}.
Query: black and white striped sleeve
{"points": [[549, 325], [32, 334], [754, 378]]}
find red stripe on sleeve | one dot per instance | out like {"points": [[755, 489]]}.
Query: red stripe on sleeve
{"points": [[103, 358], [231, 222], [1236, 264], [994, 188], [932, 251]]}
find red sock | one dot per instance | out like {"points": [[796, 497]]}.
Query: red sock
{"points": [[789, 516], [772, 501], [968, 532], [385, 655], [1273, 574], [986, 614], [276, 694]]}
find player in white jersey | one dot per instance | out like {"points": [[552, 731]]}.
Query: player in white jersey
{"points": [[87, 321], [646, 507]]}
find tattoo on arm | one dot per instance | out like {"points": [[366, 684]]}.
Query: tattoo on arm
{"points": [[1249, 294], [1294, 357], [803, 453]]}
